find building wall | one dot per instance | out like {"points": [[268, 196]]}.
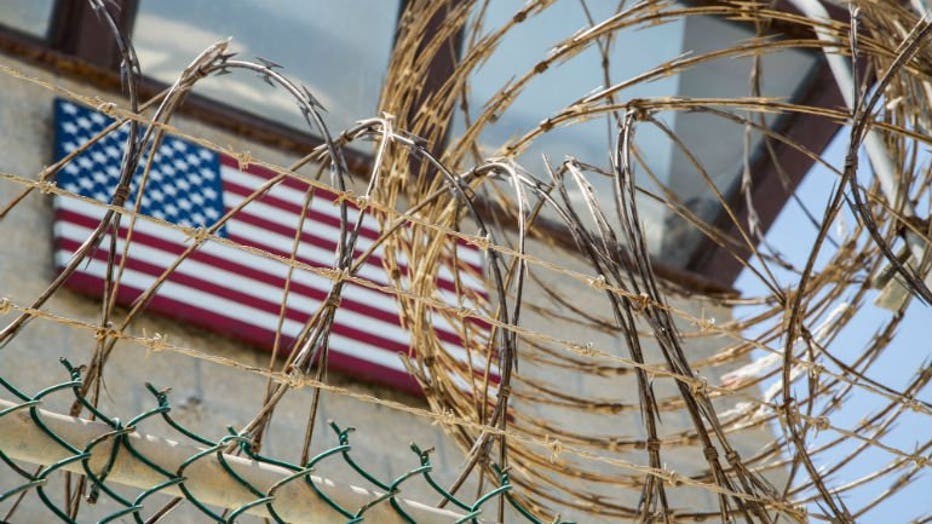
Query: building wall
{"points": [[208, 396]]}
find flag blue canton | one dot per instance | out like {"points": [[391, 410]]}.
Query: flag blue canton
{"points": [[184, 185]]}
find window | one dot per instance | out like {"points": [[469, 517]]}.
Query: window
{"points": [[340, 50], [716, 142]]}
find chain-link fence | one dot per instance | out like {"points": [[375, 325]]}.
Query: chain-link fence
{"points": [[223, 479]]}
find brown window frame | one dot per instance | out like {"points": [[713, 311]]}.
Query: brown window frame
{"points": [[770, 179], [93, 56]]}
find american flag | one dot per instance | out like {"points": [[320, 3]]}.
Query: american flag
{"points": [[227, 289]]}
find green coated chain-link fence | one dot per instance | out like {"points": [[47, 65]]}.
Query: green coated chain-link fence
{"points": [[223, 479]]}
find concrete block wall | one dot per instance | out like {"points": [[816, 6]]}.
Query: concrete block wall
{"points": [[208, 396]]}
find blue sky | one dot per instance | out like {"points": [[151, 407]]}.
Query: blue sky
{"points": [[792, 234]]}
